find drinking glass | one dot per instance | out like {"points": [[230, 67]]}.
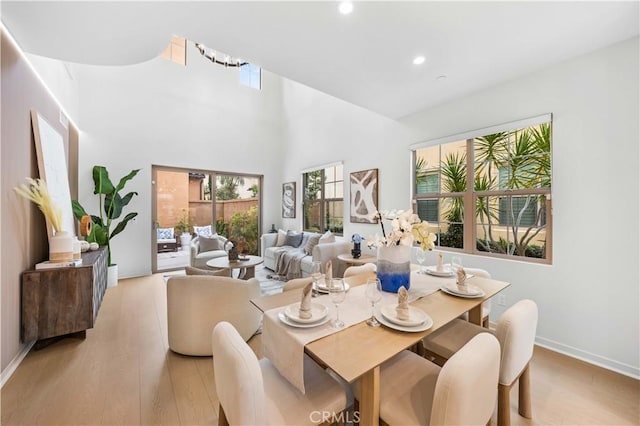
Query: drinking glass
{"points": [[421, 256], [316, 274], [374, 294], [456, 263], [337, 293]]}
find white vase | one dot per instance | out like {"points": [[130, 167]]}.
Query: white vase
{"points": [[61, 247], [185, 240], [394, 267], [77, 251], [112, 276]]}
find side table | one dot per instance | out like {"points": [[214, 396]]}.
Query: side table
{"points": [[350, 261]]}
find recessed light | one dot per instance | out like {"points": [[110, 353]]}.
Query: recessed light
{"points": [[419, 60], [441, 77], [346, 7]]}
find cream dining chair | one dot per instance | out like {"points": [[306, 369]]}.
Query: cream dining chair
{"points": [[414, 391], [297, 283], [253, 392], [367, 268], [516, 332]]}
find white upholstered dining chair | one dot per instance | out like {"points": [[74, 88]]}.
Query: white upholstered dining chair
{"points": [[367, 268], [516, 332], [415, 391], [296, 283], [253, 392]]}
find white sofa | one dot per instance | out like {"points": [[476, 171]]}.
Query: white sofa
{"points": [[323, 252]]}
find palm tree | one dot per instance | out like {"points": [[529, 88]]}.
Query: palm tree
{"points": [[530, 167], [490, 152], [227, 188]]}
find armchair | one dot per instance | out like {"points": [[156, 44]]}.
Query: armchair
{"points": [[196, 303]]}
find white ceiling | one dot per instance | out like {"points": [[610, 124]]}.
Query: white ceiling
{"points": [[364, 58]]}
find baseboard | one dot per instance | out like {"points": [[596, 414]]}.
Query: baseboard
{"points": [[15, 362], [591, 358], [588, 357]]}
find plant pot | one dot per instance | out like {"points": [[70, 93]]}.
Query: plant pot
{"points": [[112, 276], [394, 267], [185, 240]]}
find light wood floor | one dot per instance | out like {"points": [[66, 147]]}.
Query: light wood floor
{"points": [[125, 374]]}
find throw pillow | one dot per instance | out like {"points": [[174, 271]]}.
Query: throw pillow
{"points": [[327, 237], [313, 241], [293, 239], [209, 243], [203, 230], [165, 233], [282, 235]]}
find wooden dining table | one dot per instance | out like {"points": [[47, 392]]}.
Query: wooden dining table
{"points": [[356, 352]]}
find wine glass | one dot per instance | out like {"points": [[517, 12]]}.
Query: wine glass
{"points": [[316, 274], [421, 256], [338, 294], [374, 294], [456, 263]]}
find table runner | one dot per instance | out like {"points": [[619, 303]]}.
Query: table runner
{"points": [[284, 345]]}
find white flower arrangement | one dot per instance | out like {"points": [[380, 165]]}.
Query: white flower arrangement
{"points": [[405, 228]]}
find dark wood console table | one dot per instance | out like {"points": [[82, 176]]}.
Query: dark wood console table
{"points": [[63, 301]]}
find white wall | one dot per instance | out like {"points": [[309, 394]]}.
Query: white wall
{"points": [[589, 298], [159, 113]]}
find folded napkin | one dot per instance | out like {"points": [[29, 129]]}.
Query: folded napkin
{"points": [[305, 304], [439, 266], [328, 274], [402, 310], [461, 279]]}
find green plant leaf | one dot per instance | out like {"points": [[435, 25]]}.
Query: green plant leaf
{"points": [[122, 224], [101, 180], [124, 180], [98, 234], [78, 210]]}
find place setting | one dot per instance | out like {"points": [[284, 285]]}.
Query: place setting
{"points": [[320, 279], [305, 314], [398, 316], [461, 288]]}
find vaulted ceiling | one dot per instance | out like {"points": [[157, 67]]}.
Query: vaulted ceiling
{"points": [[364, 58]]}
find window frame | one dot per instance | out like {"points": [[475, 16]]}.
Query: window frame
{"points": [[322, 199], [471, 195]]}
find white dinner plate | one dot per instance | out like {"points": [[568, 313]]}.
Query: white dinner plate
{"points": [[473, 292], [416, 316], [427, 324], [283, 317], [322, 288], [318, 312], [446, 271]]}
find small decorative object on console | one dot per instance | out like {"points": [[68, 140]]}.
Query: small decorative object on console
{"points": [[357, 239]]}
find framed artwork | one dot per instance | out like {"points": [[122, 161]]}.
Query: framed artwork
{"points": [[52, 167], [364, 196], [289, 200]]}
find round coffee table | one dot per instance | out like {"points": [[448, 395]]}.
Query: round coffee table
{"points": [[246, 267]]}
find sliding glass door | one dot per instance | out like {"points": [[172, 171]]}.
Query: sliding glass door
{"points": [[186, 202]]}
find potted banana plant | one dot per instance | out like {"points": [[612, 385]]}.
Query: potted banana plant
{"points": [[111, 207]]}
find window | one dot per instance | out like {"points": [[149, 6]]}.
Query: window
{"points": [[488, 192], [250, 76], [323, 202]]}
